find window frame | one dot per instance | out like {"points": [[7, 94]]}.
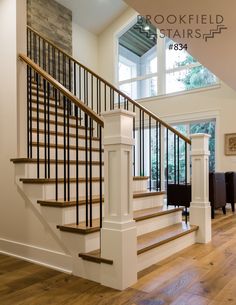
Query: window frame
{"points": [[161, 73]]}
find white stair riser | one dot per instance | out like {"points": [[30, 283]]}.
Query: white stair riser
{"points": [[60, 151], [52, 117], [143, 226], [60, 128], [159, 222], [60, 140], [148, 202], [140, 186], [31, 170], [157, 254], [49, 190]]}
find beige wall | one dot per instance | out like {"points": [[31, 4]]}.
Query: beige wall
{"points": [[20, 224], [85, 46], [219, 103]]}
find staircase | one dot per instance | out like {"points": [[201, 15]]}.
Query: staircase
{"points": [[63, 175]]}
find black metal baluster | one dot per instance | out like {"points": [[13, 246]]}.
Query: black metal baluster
{"points": [[90, 174], [186, 164], [64, 144], [105, 97], [143, 141], [178, 164], [140, 142], [160, 157], [39, 51], [150, 154], [157, 157], [100, 172], [68, 149], [30, 114], [38, 152], [86, 166], [92, 91], [45, 127], [56, 144], [174, 158], [49, 59], [119, 101], [134, 136], [44, 55], [167, 159], [77, 166], [49, 142], [99, 98], [70, 86]]}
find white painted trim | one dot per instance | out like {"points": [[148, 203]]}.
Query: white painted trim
{"points": [[116, 35], [45, 257], [174, 94]]}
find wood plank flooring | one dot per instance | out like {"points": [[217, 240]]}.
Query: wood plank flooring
{"points": [[199, 275]]}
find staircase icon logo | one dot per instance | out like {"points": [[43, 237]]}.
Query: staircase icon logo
{"points": [[214, 32]]}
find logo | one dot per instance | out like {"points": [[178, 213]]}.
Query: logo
{"points": [[189, 26]]}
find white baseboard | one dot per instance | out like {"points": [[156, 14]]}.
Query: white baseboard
{"points": [[48, 258]]}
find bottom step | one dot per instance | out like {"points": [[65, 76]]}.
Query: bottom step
{"points": [[158, 245], [95, 256], [160, 237]]}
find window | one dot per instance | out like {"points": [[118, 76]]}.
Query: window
{"points": [[148, 68], [207, 127]]}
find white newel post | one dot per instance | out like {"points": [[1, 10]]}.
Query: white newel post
{"points": [[118, 234], [200, 210]]}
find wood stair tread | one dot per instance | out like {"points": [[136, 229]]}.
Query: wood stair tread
{"points": [[148, 193], [61, 203], [160, 237], [95, 256], [81, 228], [140, 178], [53, 180], [34, 160], [59, 107]]}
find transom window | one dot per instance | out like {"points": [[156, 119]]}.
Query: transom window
{"points": [[148, 68]]}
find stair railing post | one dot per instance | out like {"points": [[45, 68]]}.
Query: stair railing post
{"points": [[119, 233], [200, 210]]}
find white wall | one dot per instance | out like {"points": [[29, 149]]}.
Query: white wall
{"points": [[20, 225], [85, 46], [219, 103]]}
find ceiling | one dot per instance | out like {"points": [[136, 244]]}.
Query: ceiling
{"points": [[138, 39], [94, 15]]}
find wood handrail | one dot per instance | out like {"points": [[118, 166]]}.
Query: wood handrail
{"points": [[146, 111], [92, 114]]}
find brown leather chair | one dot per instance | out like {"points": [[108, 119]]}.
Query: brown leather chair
{"points": [[179, 195], [217, 192], [230, 179]]}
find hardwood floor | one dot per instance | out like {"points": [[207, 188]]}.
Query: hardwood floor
{"points": [[199, 275]]}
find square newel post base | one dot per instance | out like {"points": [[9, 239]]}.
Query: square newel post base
{"points": [[119, 243], [200, 216]]}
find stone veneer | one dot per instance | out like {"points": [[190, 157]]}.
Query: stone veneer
{"points": [[52, 20]]}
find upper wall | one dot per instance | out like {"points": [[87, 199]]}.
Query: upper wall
{"points": [[217, 54], [52, 20], [85, 46]]}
